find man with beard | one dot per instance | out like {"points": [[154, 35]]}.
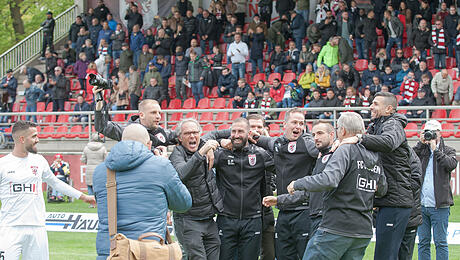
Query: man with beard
{"points": [[386, 136], [240, 172], [22, 215], [295, 155], [324, 135], [267, 250], [196, 229]]}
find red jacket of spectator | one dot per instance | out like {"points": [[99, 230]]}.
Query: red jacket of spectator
{"points": [[409, 89], [277, 93]]}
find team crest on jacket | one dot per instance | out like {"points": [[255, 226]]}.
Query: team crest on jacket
{"points": [[252, 159], [161, 137], [325, 158], [34, 169], [292, 146]]}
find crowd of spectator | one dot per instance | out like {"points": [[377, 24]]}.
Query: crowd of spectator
{"points": [[348, 49]]}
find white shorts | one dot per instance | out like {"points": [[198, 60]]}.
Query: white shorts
{"points": [[30, 241]]}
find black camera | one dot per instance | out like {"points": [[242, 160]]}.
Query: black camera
{"points": [[100, 83], [429, 135]]}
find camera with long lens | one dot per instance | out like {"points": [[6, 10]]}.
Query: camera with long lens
{"points": [[100, 83], [429, 135]]}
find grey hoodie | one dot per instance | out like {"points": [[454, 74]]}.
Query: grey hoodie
{"points": [[93, 154], [351, 178]]}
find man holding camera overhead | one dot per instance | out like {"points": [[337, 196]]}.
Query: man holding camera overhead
{"points": [[438, 161]]}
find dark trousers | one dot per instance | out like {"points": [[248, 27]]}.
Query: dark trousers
{"points": [[390, 228], [407, 245], [134, 102], [370, 45], [181, 91], [82, 84], [198, 238], [58, 104], [267, 250], [239, 236], [292, 232], [47, 42]]}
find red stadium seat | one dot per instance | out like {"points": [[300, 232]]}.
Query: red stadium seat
{"points": [[288, 77], [411, 130], [450, 63], [274, 129], [213, 93], [46, 132], [62, 119], [49, 107], [118, 117], [274, 76], [189, 104], [50, 119], [457, 133], [236, 115], [439, 114], [399, 98], [361, 65], [164, 103], [206, 118], [208, 128], [204, 103], [430, 63], [192, 115], [230, 104], [40, 106], [433, 72], [407, 52], [74, 85], [456, 85], [75, 131], [67, 106], [452, 73], [454, 114], [175, 104], [447, 130], [282, 115], [175, 117], [16, 107], [223, 127], [380, 42], [222, 117], [219, 103], [60, 132]]}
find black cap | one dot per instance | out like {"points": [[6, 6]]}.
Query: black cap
{"points": [[9, 71], [49, 12]]}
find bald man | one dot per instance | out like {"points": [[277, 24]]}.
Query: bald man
{"points": [[443, 88], [147, 186]]}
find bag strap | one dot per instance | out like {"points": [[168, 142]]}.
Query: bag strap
{"points": [[111, 186]]}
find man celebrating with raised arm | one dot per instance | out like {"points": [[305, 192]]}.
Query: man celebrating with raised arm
{"points": [[351, 178], [22, 215]]}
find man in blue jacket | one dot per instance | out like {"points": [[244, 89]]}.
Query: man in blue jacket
{"points": [[298, 29], [138, 171]]}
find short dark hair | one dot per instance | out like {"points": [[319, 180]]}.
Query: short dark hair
{"points": [[389, 99], [241, 120], [80, 95], [330, 128], [256, 117], [22, 125]]}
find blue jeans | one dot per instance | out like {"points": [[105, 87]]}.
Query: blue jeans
{"points": [[136, 57], [391, 42], [360, 48], [31, 108], [451, 44], [227, 91], [90, 189], [203, 45], [287, 102], [305, 14], [238, 70], [257, 63], [197, 91], [440, 61], [438, 219], [116, 54], [298, 43], [324, 245], [396, 90]]}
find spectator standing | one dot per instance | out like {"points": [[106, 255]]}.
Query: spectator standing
{"points": [[190, 26], [81, 106], [257, 39], [112, 22], [137, 170], [195, 76], [357, 33], [101, 11], [152, 73], [136, 42], [369, 34], [60, 88], [163, 44], [298, 28], [94, 30], [265, 11], [80, 70], [32, 95], [438, 161], [193, 47], [345, 28], [321, 9], [184, 6], [329, 55], [105, 33], [422, 70], [422, 38], [394, 29], [94, 154], [82, 36], [450, 28], [10, 84], [327, 28], [144, 58], [180, 71], [439, 38], [443, 88], [117, 38], [133, 17], [126, 57], [74, 30], [207, 30], [134, 88], [238, 53], [48, 30]]}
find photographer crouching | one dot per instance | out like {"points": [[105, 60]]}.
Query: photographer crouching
{"points": [[438, 161], [149, 116]]}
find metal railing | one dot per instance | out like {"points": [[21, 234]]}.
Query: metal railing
{"points": [[29, 48], [168, 123]]}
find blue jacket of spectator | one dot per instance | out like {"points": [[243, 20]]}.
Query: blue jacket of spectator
{"points": [[147, 185], [257, 48], [298, 27], [11, 87], [33, 94], [104, 34], [94, 34], [82, 107], [389, 79], [400, 76], [112, 24], [366, 79], [227, 81], [136, 41], [158, 65]]}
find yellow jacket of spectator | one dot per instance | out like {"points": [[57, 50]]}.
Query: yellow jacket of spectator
{"points": [[306, 80]]}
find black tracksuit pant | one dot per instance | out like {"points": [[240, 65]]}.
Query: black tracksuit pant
{"points": [[239, 236], [292, 232]]}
